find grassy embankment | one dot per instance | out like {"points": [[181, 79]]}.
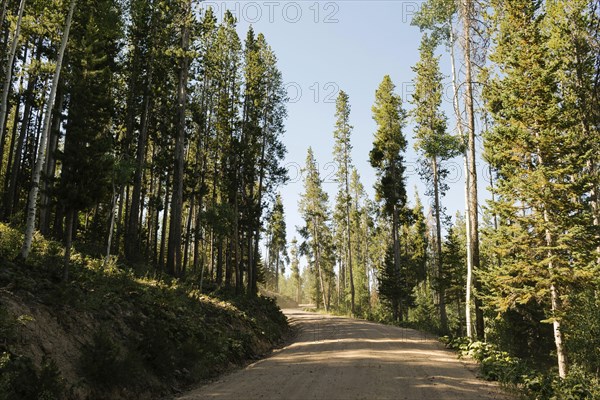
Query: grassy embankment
{"points": [[109, 334]]}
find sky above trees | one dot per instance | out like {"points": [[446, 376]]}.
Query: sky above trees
{"points": [[326, 47]]}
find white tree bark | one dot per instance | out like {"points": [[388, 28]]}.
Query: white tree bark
{"points": [[459, 125], [9, 69], [35, 181]]}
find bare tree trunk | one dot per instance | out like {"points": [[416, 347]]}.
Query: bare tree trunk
{"points": [[318, 265], [10, 192], [50, 167], [349, 233], [8, 79], [556, 310], [132, 242], [35, 182], [277, 272], [174, 245], [111, 224], [219, 273], [254, 267], [439, 261], [13, 137], [163, 236], [459, 125], [70, 219], [472, 161], [396, 243], [188, 234]]}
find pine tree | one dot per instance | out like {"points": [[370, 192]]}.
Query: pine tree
{"points": [[444, 18], [434, 144], [295, 268], [539, 184], [277, 240], [386, 157], [454, 251], [361, 225], [342, 157], [316, 233], [8, 78], [87, 156], [35, 182]]}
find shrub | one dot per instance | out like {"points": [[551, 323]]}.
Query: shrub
{"points": [[105, 366], [21, 380], [10, 242]]}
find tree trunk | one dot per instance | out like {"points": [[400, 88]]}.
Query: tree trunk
{"points": [[35, 181], [13, 137], [317, 247], [277, 272], [471, 156], [459, 125], [174, 246], [261, 176], [70, 220], [8, 79], [439, 261], [111, 224], [163, 236], [556, 309], [220, 265], [132, 241], [349, 234], [50, 167], [188, 235], [10, 193]]}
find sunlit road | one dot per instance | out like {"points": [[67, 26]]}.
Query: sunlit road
{"points": [[341, 358]]}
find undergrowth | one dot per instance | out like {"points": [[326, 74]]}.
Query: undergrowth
{"points": [[523, 377], [150, 335]]}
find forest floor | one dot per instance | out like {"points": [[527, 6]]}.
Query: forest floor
{"points": [[342, 358]]}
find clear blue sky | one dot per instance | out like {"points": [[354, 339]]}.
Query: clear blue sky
{"points": [[323, 47]]}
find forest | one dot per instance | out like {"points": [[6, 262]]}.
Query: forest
{"points": [[149, 136]]}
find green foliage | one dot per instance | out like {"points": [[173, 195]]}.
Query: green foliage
{"points": [[21, 380], [424, 315], [152, 334], [318, 244], [389, 144], [277, 243], [582, 328], [106, 366], [517, 373], [10, 242]]}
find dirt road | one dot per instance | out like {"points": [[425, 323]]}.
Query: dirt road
{"points": [[341, 358]]}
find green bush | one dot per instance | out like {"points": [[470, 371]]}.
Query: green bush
{"points": [[21, 380], [500, 366], [10, 242], [577, 385], [104, 365]]}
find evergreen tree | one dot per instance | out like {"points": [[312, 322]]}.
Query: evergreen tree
{"points": [[277, 240], [435, 146], [361, 226], [454, 252], [342, 157], [39, 162], [535, 155], [444, 18], [295, 268], [386, 157], [87, 156], [316, 232]]}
